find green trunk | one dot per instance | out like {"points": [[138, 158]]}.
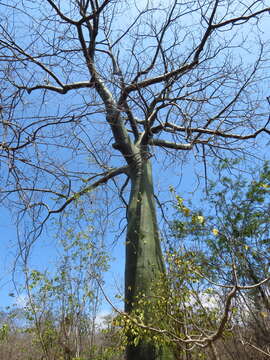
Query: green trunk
{"points": [[144, 261]]}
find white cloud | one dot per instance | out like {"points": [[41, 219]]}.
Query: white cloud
{"points": [[21, 300], [102, 318]]}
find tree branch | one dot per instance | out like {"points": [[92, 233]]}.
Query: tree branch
{"points": [[61, 90], [184, 129], [170, 145], [241, 18], [105, 177]]}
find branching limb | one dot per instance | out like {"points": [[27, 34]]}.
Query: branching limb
{"points": [[135, 86], [61, 90], [225, 316], [182, 129], [256, 348], [170, 145], [105, 177], [241, 19]]}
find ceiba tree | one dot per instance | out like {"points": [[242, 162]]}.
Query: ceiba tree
{"points": [[113, 81]]}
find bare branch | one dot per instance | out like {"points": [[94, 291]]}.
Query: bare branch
{"points": [[105, 177], [170, 145]]}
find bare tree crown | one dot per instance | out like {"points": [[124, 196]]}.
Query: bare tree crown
{"points": [[99, 79]]}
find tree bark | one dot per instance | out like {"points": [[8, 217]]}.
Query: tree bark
{"points": [[144, 261]]}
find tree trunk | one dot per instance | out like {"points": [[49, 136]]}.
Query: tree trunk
{"points": [[144, 261]]}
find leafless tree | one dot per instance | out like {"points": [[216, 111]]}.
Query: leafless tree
{"points": [[93, 90]]}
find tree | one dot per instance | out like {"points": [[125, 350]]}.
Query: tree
{"points": [[61, 308], [228, 240], [244, 240], [84, 102]]}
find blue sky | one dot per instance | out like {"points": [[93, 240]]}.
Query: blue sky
{"points": [[44, 251]]}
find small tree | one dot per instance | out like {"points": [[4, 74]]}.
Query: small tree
{"points": [[231, 249], [62, 307]]}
